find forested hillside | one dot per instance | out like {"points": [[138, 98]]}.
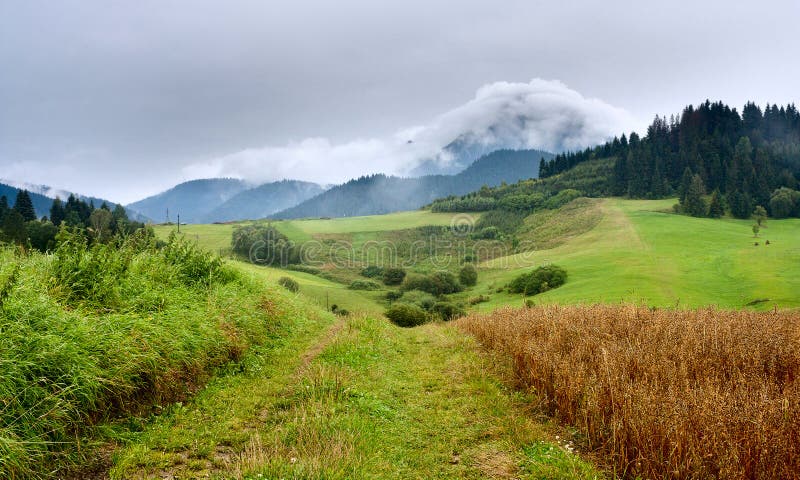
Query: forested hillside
{"points": [[379, 194], [264, 200], [750, 160]]}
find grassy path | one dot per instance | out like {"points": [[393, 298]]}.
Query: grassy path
{"points": [[355, 399]]}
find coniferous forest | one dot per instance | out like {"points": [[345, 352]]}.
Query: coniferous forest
{"points": [[741, 160]]}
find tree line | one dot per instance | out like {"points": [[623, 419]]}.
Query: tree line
{"points": [[19, 224], [741, 161]]}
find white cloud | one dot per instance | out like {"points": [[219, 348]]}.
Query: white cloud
{"points": [[540, 114]]}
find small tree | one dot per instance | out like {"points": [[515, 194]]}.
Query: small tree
{"points": [[393, 276], [716, 209], [694, 204], [100, 221], [14, 228], [756, 229], [289, 284], [468, 275], [57, 212], [760, 215]]}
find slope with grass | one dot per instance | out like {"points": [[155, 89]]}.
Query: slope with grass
{"points": [[614, 250], [94, 334], [357, 398], [639, 252]]}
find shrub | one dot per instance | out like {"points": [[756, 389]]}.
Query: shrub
{"points": [[394, 276], [562, 198], [289, 284], [478, 299], [392, 295], [421, 299], [488, 233], [303, 268], [448, 311], [438, 283], [406, 315], [540, 280], [364, 285], [372, 271], [468, 276]]}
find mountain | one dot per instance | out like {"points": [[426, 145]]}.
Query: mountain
{"points": [[379, 194], [264, 200], [43, 195], [40, 203], [192, 200]]}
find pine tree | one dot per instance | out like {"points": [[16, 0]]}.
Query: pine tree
{"points": [[24, 206], [14, 228], [57, 213], [686, 182], [3, 208], [716, 209], [694, 203]]}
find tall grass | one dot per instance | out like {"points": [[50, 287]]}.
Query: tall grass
{"points": [[663, 394], [92, 332]]}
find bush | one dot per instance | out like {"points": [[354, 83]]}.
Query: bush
{"points": [[289, 284], [478, 299], [406, 315], [394, 276], [468, 276], [540, 280], [562, 198], [393, 295], [303, 268], [364, 285], [448, 311], [372, 271], [438, 283], [421, 299], [488, 233]]}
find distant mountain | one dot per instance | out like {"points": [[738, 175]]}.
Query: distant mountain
{"points": [[41, 203], [379, 194], [264, 200], [43, 195], [192, 200]]}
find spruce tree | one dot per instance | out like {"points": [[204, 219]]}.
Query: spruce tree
{"points": [[694, 203], [686, 182], [14, 228], [716, 209], [24, 206], [57, 213], [3, 208]]}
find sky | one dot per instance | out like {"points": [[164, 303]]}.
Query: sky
{"points": [[125, 99]]}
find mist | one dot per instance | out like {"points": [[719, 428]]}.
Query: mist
{"points": [[540, 114]]}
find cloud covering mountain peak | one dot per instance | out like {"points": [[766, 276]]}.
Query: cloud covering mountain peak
{"points": [[540, 114]]}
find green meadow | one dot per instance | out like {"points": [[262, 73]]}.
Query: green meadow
{"points": [[614, 250]]}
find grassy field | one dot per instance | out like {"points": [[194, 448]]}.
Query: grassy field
{"points": [[639, 253], [355, 398], [215, 237], [614, 250]]}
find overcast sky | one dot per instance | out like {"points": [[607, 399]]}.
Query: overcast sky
{"points": [[125, 99]]}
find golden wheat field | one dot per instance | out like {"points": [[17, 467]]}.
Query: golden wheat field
{"points": [[662, 393]]}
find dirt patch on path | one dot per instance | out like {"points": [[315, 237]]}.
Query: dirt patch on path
{"points": [[313, 352]]}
